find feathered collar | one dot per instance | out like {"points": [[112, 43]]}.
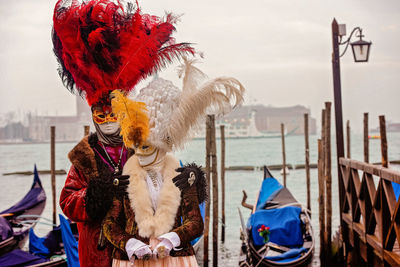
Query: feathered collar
{"points": [[150, 223]]}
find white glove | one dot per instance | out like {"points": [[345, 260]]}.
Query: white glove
{"points": [[136, 247], [168, 242]]}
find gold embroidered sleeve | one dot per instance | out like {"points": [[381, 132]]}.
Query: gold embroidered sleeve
{"points": [[113, 225], [192, 222]]}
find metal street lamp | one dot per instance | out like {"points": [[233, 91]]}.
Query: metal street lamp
{"points": [[361, 50]]}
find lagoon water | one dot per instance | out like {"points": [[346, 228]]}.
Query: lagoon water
{"points": [[254, 152]]}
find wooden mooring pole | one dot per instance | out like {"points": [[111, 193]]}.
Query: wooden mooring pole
{"points": [[348, 139], [283, 154], [86, 130], [53, 170], [366, 140], [214, 176], [328, 178], [322, 190], [222, 128], [384, 147], [307, 160], [321, 202], [207, 213]]}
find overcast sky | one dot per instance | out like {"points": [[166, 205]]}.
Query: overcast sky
{"points": [[279, 49]]}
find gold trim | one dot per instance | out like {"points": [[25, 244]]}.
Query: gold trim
{"points": [[152, 161]]}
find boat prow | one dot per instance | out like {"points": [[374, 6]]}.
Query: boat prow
{"points": [[17, 220]]}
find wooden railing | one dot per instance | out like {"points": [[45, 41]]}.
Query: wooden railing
{"points": [[370, 213]]}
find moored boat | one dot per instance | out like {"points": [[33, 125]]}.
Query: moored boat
{"points": [[278, 231], [58, 248], [16, 221]]}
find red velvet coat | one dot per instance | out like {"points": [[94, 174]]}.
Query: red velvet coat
{"points": [[72, 202]]}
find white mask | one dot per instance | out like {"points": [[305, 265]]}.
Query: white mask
{"points": [[149, 156], [109, 127]]}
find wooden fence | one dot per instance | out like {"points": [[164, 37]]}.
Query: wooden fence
{"points": [[370, 213]]}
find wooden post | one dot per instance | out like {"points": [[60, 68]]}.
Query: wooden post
{"points": [[384, 147], [366, 140], [348, 139], [214, 176], [86, 130], [283, 153], [207, 213], [307, 161], [322, 188], [53, 169], [222, 128], [321, 202], [337, 93], [328, 179]]}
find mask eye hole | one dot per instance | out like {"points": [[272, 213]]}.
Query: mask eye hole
{"points": [[145, 147], [101, 116], [112, 115]]}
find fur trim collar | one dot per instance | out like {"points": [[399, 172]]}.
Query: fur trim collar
{"points": [[153, 224], [83, 158]]}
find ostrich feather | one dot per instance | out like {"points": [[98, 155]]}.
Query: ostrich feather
{"points": [[132, 117], [219, 95], [192, 76]]}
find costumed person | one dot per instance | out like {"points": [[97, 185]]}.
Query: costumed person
{"points": [[154, 224], [102, 46]]}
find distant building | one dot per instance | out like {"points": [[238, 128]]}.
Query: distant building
{"points": [[268, 119], [390, 127], [14, 132], [261, 121], [68, 128], [37, 128]]}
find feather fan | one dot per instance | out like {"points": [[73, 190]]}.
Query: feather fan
{"points": [[132, 117]]}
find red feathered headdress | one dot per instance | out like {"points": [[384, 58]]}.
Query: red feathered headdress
{"points": [[101, 46]]}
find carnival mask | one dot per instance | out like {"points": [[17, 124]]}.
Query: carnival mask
{"points": [[148, 154], [109, 128], [103, 116]]}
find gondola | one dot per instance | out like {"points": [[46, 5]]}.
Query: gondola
{"points": [[16, 221], [58, 248], [290, 241]]}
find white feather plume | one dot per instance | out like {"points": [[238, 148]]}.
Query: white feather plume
{"points": [[173, 113], [216, 96]]}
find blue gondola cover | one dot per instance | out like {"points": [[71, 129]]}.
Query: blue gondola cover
{"points": [[284, 223], [269, 188], [37, 246], [70, 243], [288, 256]]}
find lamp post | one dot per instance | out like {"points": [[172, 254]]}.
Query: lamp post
{"points": [[360, 50]]}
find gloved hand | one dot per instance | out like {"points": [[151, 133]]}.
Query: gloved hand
{"points": [[187, 177], [100, 193], [163, 249], [120, 184], [135, 247], [191, 174], [168, 242]]}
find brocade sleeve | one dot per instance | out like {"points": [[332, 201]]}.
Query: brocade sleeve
{"points": [[192, 222], [112, 225]]}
